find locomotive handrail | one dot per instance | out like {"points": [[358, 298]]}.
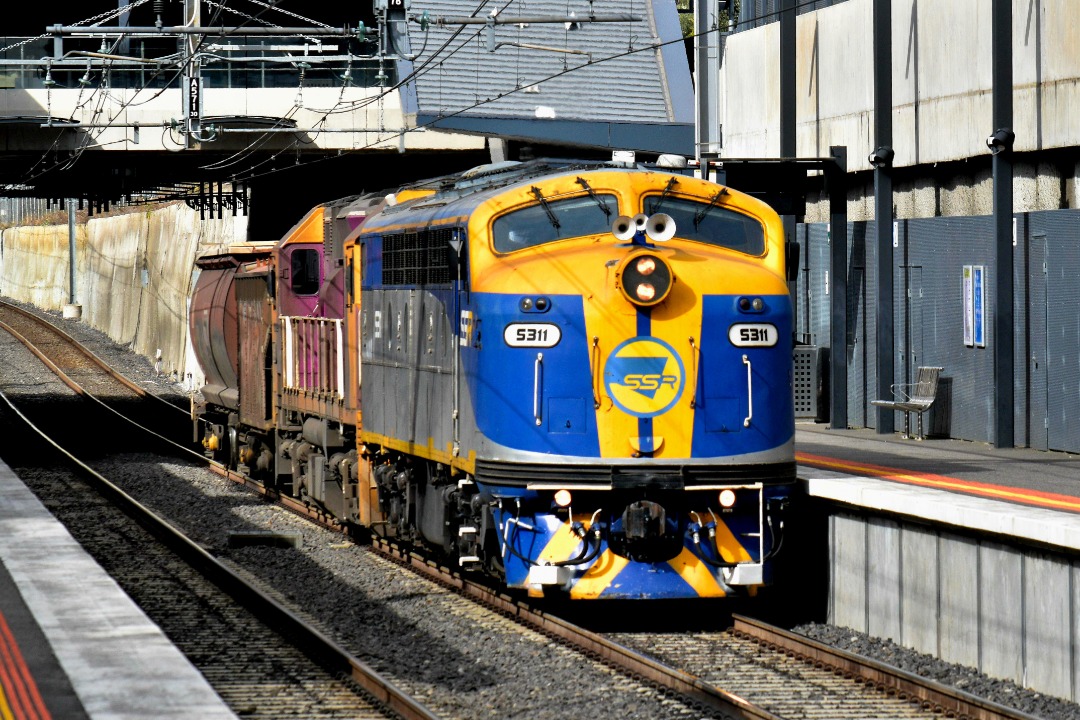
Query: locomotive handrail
{"points": [[537, 389], [596, 371], [314, 356], [695, 354], [749, 391]]}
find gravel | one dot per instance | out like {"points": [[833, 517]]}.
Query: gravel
{"points": [[474, 681], [969, 680]]}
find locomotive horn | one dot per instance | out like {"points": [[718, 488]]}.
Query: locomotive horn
{"points": [[623, 227], [660, 227], [640, 221]]}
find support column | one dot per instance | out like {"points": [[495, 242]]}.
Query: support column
{"points": [[881, 159], [1001, 144], [72, 310], [836, 180]]}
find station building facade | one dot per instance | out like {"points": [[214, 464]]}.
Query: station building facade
{"points": [[942, 202]]}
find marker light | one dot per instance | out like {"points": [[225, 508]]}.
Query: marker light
{"points": [[645, 265], [645, 279], [727, 498], [751, 304], [562, 498]]}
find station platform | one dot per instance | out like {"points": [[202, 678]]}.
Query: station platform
{"points": [[954, 482], [73, 645]]}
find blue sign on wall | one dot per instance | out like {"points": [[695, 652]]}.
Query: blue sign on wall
{"points": [[979, 305]]}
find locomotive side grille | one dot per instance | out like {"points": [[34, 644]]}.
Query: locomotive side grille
{"points": [[658, 476], [416, 258]]}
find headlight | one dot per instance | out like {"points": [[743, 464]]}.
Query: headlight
{"points": [[645, 279]]}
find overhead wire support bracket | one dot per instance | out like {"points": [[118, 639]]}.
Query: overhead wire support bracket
{"points": [[529, 20], [104, 31]]}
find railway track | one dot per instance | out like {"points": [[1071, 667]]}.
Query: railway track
{"points": [[79, 367], [264, 660], [91, 377], [752, 670], [748, 671], [144, 476], [796, 677]]}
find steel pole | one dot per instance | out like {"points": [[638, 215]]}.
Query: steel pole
{"points": [[1003, 337], [836, 178], [71, 251], [883, 211]]}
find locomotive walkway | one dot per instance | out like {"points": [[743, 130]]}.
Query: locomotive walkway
{"points": [[73, 645]]}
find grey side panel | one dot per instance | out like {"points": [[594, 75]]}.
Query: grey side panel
{"points": [[1063, 341], [407, 353], [1038, 361]]}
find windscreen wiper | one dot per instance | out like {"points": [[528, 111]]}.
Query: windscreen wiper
{"points": [[599, 200], [547, 208], [667, 188], [712, 203]]}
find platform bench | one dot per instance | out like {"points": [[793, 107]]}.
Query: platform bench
{"points": [[916, 397]]}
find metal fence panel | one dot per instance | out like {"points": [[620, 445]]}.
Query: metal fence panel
{"points": [[930, 256], [1063, 342]]}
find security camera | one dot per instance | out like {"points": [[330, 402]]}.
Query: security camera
{"points": [[1001, 139], [881, 157]]}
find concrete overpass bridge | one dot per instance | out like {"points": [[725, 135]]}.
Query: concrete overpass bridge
{"points": [[233, 107]]}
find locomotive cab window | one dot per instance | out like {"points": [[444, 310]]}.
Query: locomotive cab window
{"points": [[711, 224], [304, 276], [550, 220]]}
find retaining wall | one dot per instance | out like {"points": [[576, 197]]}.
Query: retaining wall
{"points": [[133, 280], [992, 602]]}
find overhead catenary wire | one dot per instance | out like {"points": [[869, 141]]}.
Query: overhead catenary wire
{"points": [[66, 163], [426, 65], [479, 103]]}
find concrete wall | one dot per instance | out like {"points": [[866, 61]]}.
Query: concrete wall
{"points": [[134, 275], [998, 605], [942, 83]]}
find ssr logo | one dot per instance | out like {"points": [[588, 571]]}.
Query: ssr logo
{"points": [[644, 377]]}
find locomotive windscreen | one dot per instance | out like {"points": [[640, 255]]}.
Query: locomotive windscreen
{"points": [[552, 220], [711, 224]]}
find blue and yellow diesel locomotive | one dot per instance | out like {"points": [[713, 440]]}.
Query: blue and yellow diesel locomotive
{"points": [[576, 376], [580, 376]]}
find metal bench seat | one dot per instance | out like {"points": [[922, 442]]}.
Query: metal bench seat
{"points": [[916, 397]]}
